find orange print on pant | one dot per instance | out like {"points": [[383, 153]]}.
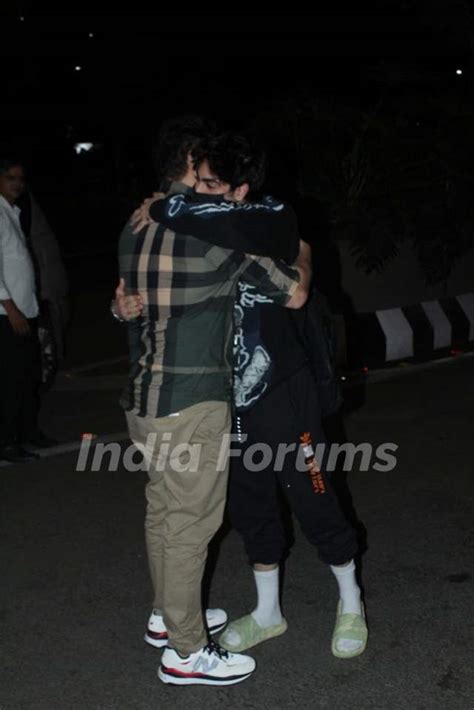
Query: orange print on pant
{"points": [[310, 460]]}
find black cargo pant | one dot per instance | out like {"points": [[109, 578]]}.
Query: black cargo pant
{"points": [[282, 417]]}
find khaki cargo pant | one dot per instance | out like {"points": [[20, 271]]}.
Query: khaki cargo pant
{"points": [[186, 496]]}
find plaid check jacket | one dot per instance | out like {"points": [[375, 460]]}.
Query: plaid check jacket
{"points": [[183, 340]]}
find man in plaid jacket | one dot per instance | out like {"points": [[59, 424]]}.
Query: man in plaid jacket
{"points": [[177, 402]]}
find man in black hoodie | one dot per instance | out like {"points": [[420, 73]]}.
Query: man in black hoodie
{"points": [[277, 412]]}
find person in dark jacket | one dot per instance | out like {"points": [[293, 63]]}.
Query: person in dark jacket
{"points": [[282, 379]]}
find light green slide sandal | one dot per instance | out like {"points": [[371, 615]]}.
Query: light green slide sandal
{"points": [[250, 633], [351, 627]]}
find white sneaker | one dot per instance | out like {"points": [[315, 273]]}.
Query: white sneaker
{"points": [[157, 635], [210, 665]]}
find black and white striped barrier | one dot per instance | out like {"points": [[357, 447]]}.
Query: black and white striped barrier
{"points": [[420, 331]]}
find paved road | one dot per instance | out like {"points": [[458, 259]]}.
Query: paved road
{"points": [[74, 592]]}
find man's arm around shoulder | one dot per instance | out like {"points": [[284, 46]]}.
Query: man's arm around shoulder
{"points": [[303, 266], [285, 285]]}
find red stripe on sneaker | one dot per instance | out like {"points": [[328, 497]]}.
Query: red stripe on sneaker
{"points": [[174, 672], [158, 635], [182, 674]]}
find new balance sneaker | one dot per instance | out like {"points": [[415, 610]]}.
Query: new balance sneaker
{"points": [[157, 635], [211, 665]]}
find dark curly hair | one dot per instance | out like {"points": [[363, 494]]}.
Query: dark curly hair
{"points": [[178, 137], [234, 160]]}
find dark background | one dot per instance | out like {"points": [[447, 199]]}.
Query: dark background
{"points": [[365, 116], [138, 69]]}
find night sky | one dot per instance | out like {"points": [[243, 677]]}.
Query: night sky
{"points": [[133, 64], [111, 80]]}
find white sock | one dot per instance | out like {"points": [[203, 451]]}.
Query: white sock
{"points": [[349, 593], [348, 588], [267, 611]]}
